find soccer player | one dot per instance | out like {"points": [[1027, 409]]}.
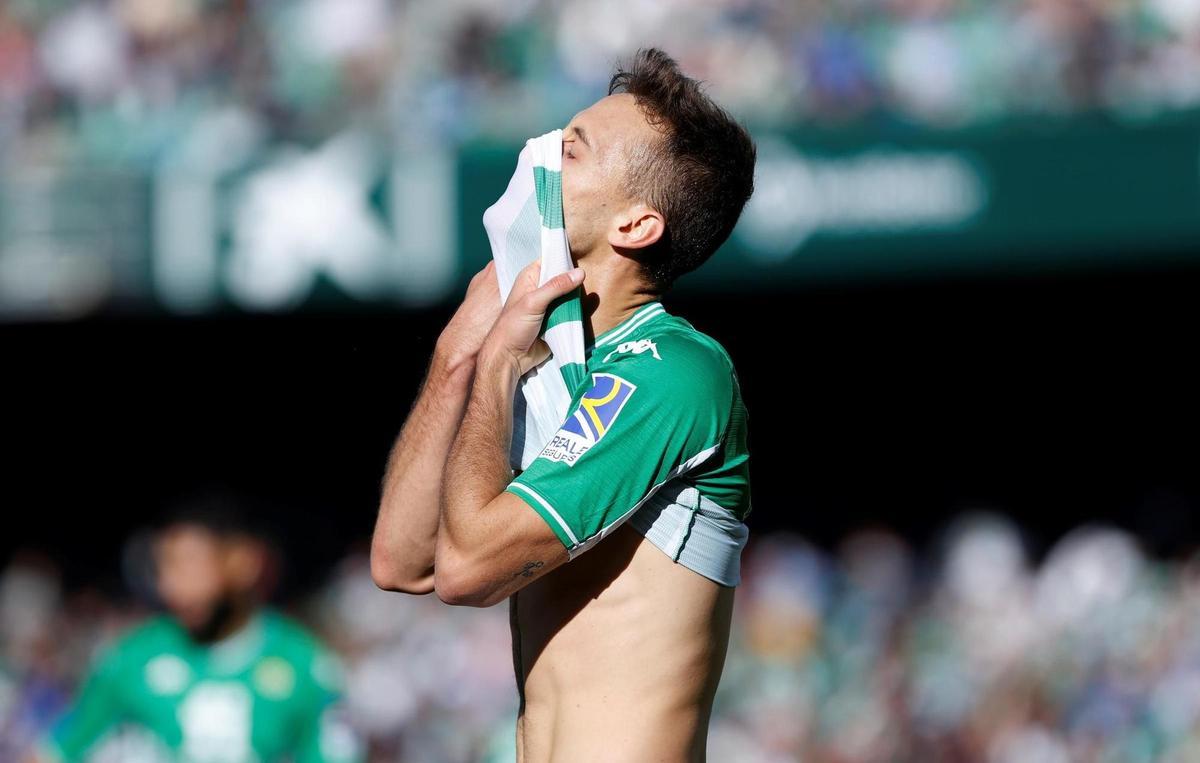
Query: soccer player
{"points": [[618, 548], [219, 679]]}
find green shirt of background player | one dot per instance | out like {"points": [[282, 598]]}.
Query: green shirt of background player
{"points": [[218, 679], [644, 488]]}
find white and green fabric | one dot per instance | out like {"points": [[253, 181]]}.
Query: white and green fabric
{"points": [[656, 436], [646, 425], [525, 224]]}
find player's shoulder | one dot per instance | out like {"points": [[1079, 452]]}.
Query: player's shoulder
{"points": [[670, 351], [155, 632], [287, 635]]}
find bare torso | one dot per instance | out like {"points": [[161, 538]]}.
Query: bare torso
{"points": [[619, 653]]}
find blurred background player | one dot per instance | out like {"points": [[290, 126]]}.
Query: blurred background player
{"points": [[218, 677]]}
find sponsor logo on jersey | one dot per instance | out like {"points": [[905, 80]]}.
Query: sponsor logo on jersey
{"points": [[215, 721], [274, 678], [167, 674], [591, 420], [636, 347]]}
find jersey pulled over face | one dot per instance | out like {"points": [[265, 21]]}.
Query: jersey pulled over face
{"points": [[656, 437], [267, 693]]}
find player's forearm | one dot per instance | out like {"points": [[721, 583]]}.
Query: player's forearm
{"points": [[402, 549], [478, 468]]}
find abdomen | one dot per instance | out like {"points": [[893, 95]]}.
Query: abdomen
{"points": [[620, 652]]}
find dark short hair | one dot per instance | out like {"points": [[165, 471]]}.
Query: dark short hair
{"points": [[225, 515], [699, 176]]}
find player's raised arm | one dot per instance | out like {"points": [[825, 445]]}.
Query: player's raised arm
{"points": [[490, 544], [402, 549]]}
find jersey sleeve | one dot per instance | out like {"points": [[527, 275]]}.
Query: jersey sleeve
{"points": [[98, 708], [651, 412]]}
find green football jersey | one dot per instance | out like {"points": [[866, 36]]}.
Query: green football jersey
{"points": [[265, 694], [656, 436]]}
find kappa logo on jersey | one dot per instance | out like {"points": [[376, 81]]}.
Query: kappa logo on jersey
{"points": [[597, 411], [637, 348]]}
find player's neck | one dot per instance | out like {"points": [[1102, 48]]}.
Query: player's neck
{"points": [[228, 626], [610, 297], [235, 623]]}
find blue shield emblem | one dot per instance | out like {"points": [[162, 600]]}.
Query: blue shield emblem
{"points": [[591, 419]]}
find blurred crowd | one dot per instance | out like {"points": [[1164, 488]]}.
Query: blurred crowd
{"points": [[120, 80], [967, 651], [144, 143]]}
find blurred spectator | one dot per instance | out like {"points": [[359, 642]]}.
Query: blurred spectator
{"points": [[873, 653], [122, 185], [116, 79]]}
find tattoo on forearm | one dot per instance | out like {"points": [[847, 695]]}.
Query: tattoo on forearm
{"points": [[528, 570]]}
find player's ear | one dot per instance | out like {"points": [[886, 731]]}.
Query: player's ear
{"points": [[637, 227]]}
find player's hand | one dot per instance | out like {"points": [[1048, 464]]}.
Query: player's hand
{"points": [[514, 338], [463, 336]]}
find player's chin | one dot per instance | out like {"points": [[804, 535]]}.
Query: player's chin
{"points": [[196, 620]]}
